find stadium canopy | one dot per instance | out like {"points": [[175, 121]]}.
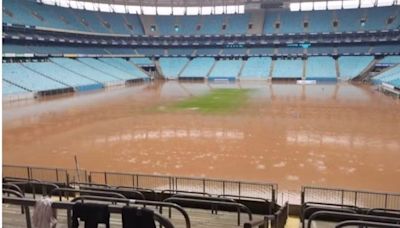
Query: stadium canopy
{"points": [[207, 7]]}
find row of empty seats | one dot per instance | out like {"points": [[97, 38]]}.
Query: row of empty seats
{"points": [[390, 76], [60, 73], [254, 51], [37, 14], [313, 68]]}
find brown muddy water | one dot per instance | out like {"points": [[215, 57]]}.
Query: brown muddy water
{"points": [[336, 135]]}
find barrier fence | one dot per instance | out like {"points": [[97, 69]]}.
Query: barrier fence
{"points": [[363, 199], [211, 186], [45, 174], [243, 189]]}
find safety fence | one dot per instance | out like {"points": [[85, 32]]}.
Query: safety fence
{"points": [[155, 182], [363, 199], [243, 189], [45, 174], [212, 186]]}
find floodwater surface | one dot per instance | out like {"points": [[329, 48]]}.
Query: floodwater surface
{"points": [[336, 135]]}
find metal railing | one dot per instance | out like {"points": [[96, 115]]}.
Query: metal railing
{"points": [[362, 199], [164, 222], [205, 185], [44, 174], [350, 216]]}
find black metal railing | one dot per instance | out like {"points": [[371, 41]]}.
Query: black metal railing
{"points": [[361, 199]]}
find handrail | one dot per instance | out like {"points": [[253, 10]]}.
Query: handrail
{"points": [[70, 190], [69, 205], [368, 224], [303, 217], [394, 211], [328, 204], [100, 189], [187, 196], [10, 186], [141, 202], [10, 191], [20, 178], [89, 184], [182, 191], [351, 216], [238, 206], [243, 197], [24, 207], [33, 184]]}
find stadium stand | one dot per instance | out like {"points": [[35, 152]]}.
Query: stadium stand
{"points": [[141, 61], [125, 66], [63, 75], [390, 76], [321, 68], [256, 67], [352, 66], [198, 68], [81, 68], [288, 68], [225, 68], [9, 88], [171, 67], [19, 75]]}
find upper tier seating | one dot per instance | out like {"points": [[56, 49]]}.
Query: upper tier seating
{"points": [[348, 20], [321, 68], [226, 69], [141, 61], [198, 67], [9, 88], [256, 67], [171, 67], [107, 69], [351, 66], [58, 73], [28, 79], [180, 51], [32, 13], [125, 66], [82, 69], [288, 68]]}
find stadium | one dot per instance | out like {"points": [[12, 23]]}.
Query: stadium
{"points": [[212, 113]]}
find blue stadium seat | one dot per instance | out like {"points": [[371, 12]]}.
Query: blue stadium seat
{"points": [[171, 67], [288, 68], [198, 67], [351, 66], [256, 67], [321, 68], [226, 69], [28, 79]]}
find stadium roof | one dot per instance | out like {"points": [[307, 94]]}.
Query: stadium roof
{"points": [[213, 6]]}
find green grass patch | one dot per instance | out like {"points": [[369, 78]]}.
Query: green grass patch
{"points": [[217, 101]]}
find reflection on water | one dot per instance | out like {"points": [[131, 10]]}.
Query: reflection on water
{"points": [[330, 138], [172, 133]]}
